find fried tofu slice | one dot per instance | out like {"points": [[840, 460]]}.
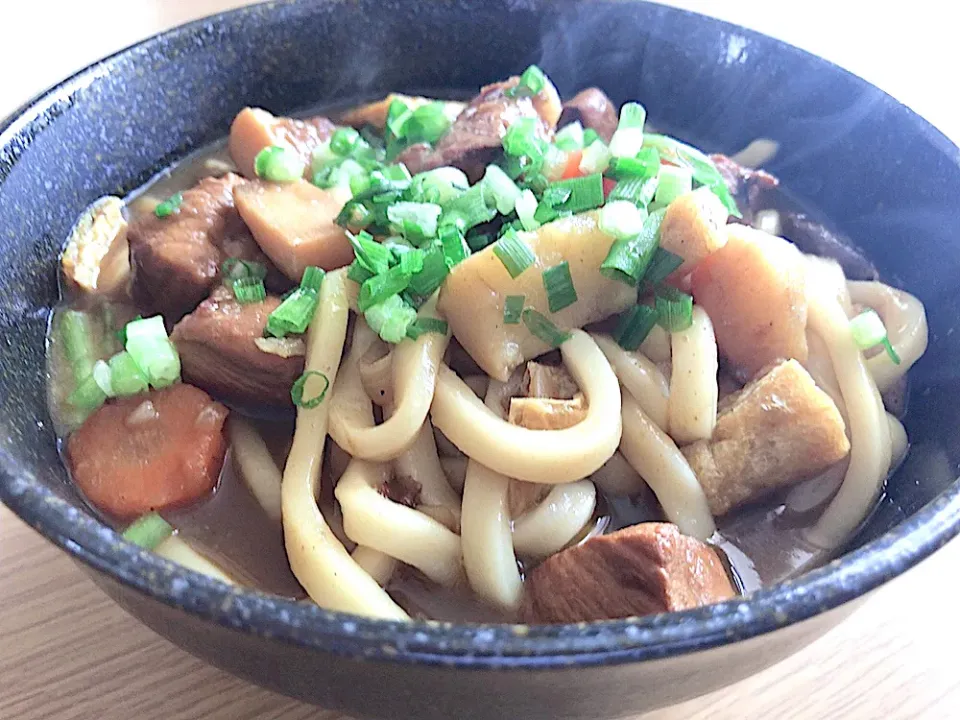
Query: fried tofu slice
{"points": [[547, 413], [693, 227], [779, 430]]}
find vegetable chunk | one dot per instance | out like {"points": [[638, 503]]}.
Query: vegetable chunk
{"points": [[149, 452], [254, 129]]}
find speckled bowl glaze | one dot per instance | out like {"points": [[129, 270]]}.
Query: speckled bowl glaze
{"points": [[881, 173]]}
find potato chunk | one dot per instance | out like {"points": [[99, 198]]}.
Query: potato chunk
{"points": [[753, 290], [254, 129], [474, 294], [693, 227], [779, 430], [294, 224]]}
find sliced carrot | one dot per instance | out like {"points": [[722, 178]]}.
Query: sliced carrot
{"points": [[148, 452], [572, 169]]}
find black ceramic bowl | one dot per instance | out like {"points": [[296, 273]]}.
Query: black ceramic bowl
{"points": [[881, 173]]}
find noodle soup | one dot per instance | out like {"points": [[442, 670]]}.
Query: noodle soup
{"points": [[510, 359]]}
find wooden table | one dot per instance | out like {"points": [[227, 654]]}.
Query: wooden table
{"points": [[66, 652]]}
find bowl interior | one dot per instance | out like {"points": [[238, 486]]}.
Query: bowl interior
{"points": [[880, 173]]}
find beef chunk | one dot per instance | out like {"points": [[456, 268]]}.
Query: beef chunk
{"points": [[592, 109], [640, 570], [475, 138], [175, 260], [219, 352], [779, 430], [814, 238], [749, 187]]}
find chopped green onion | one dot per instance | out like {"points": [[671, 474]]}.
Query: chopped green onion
{"points": [[77, 333], [169, 206], [634, 325], [249, 290], [236, 268], [347, 174], [674, 182], [674, 309], [148, 531], [299, 386], [427, 124], [504, 190], [440, 185], [526, 207], [630, 257], [596, 157], [277, 163], [416, 221], [555, 163], [514, 253], [662, 263], [321, 158], [513, 309], [586, 193], [521, 140], [312, 278], [343, 140], [409, 260], [531, 82], [87, 396], [151, 349], [390, 319], [637, 190], [294, 314], [622, 219], [454, 246], [101, 376], [590, 136], [868, 330], [704, 171], [380, 287], [558, 283], [626, 142], [540, 326], [370, 254], [358, 273], [126, 376], [422, 326], [354, 214], [632, 115], [570, 137], [477, 241], [645, 164], [433, 272], [470, 209]]}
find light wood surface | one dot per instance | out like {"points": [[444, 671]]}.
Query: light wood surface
{"points": [[66, 652]]}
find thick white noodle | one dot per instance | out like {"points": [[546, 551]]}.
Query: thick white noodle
{"points": [[899, 443], [640, 377], [488, 554], [551, 525], [906, 322], [376, 564], [692, 406], [655, 456], [867, 425], [325, 569], [656, 345], [541, 456], [256, 465], [421, 463], [179, 551], [415, 364], [376, 521]]}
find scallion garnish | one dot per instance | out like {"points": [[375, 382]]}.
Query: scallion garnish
{"points": [[77, 333], [540, 326], [531, 82], [630, 257], [662, 263], [590, 136], [469, 210], [585, 193], [422, 326], [503, 190], [312, 278], [126, 376], [674, 309], [101, 376], [358, 273], [513, 309], [454, 246], [294, 314], [427, 124], [570, 137], [236, 268], [382, 286], [343, 140], [371, 255], [440, 185], [277, 163], [526, 207], [523, 141], [169, 206], [622, 219], [417, 221], [640, 191], [645, 164], [299, 388], [249, 290], [868, 330], [88, 395], [148, 531], [628, 138], [674, 182], [432, 273], [151, 349], [390, 319], [514, 253], [559, 286], [634, 325]]}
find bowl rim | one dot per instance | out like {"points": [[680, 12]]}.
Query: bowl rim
{"points": [[440, 643]]}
